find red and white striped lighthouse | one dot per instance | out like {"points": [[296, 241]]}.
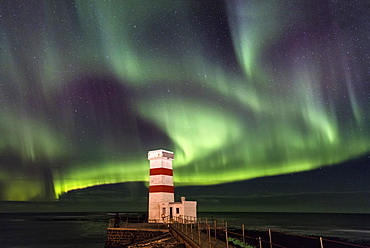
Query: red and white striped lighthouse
{"points": [[161, 187]]}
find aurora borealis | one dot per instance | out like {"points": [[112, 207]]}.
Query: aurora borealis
{"points": [[237, 89]]}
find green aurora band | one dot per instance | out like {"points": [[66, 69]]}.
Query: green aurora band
{"points": [[260, 117]]}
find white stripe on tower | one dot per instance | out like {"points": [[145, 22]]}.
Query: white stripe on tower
{"points": [[161, 181]]}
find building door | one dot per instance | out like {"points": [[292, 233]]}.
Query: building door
{"points": [[171, 212]]}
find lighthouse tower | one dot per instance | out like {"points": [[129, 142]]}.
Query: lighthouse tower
{"points": [[161, 188], [162, 205]]}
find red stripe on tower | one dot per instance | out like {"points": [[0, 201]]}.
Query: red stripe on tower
{"points": [[161, 171], [161, 189]]}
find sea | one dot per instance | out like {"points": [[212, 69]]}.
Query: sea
{"points": [[89, 229]]}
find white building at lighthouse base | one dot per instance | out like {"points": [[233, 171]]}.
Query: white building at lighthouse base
{"points": [[184, 211]]}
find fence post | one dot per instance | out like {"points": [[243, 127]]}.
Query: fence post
{"points": [[227, 237], [270, 238], [191, 231], [199, 233], [260, 241], [215, 225], [321, 243], [209, 235], [243, 234]]}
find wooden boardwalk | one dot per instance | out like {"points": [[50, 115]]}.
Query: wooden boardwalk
{"points": [[196, 238]]}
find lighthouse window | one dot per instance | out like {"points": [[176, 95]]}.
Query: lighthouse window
{"points": [[177, 210], [163, 210]]}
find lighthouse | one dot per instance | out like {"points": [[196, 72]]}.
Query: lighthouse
{"points": [[161, 182], [162, 205]]}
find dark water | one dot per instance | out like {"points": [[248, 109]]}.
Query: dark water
{"points": [[53, 230], [89, 229]]}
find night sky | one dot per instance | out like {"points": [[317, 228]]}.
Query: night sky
{"points": [[265, 104]]}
